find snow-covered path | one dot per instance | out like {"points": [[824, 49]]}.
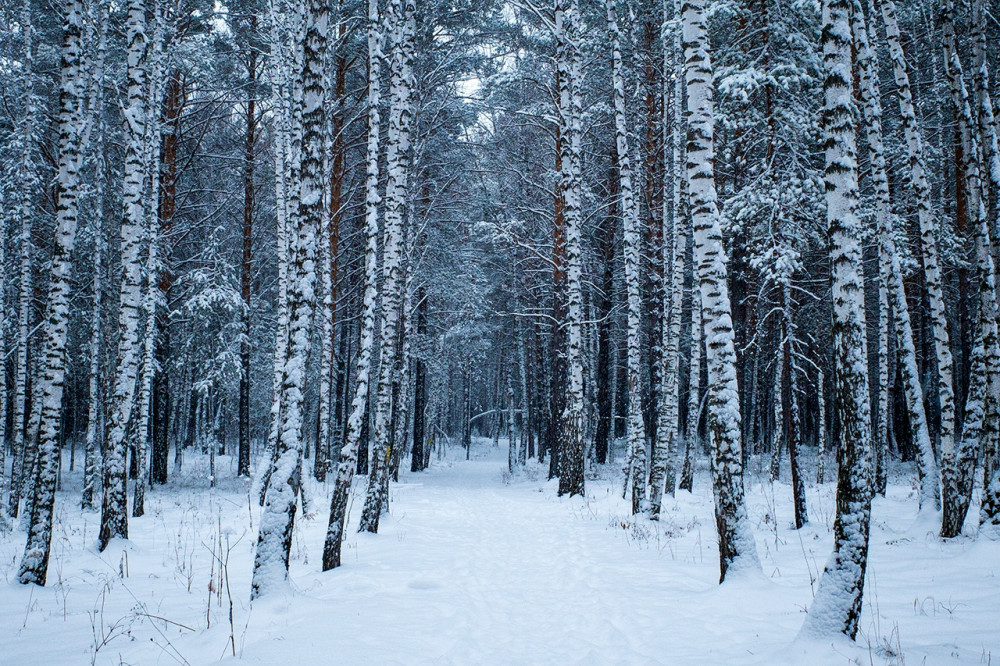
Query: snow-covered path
{"points": [[472, 567]]}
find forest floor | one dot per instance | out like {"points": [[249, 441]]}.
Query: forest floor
{"points": [[473, 566]]}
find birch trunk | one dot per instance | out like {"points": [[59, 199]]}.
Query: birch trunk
{"points": [[277, 520], [837, 605], [72, 96], [691, 440], [635, 427], [152, 166], [737, 550], [794, 440], [958, 463], [779, 416], [890, 272], [662, 475], [92, 450], [285, 214], [114, 511], [571, 455], [355, 426], [20, 461], [397, 163], [928, 241]]}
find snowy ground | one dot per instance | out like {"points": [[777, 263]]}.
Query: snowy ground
{"points": [[473, 567]]}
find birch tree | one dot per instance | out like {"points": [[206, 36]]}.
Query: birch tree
{"points": [[274, 540], [890, 271], [92, 446], [401, 16], [737, 550], [928, 244], [72, 98], [837, 605], [958, 463], [571, 455], [27, 183], [359, 403], [114, 509], [634, 427], [667, 422]]}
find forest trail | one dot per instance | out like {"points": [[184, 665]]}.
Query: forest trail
{"points": [[472, 566]]}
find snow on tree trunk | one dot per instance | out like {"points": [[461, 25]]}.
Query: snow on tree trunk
{"points": [[837, 605], [151, 160], [286, 212], [737, 549], [3, 361], [634, 425], [662, 474], [821, 427], [958, 463], [779, 416], [349, 453], [401, 17], [928, 241], [794, 441], [26, 182], [990, 505], [984, 105], [571, 455], [72, 95], [691, 441], [92, 448], [114, 510], [274, 540], [890, 272], [246, 258], [682, 243]]}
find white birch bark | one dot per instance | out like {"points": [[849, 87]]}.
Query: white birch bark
{"points": [[27, 183], [92, 448], [691, 442], [821, 427], [928, 241], [277, 521], [737, 550], [114, 513], [779, 415], [837, 605], [958, 462], [662, 476], [634, 425], [401, 17], [151, 161], [571, 457], [282, 102], [72, 96], [984, 106], [890, 274], [349, 453]]}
